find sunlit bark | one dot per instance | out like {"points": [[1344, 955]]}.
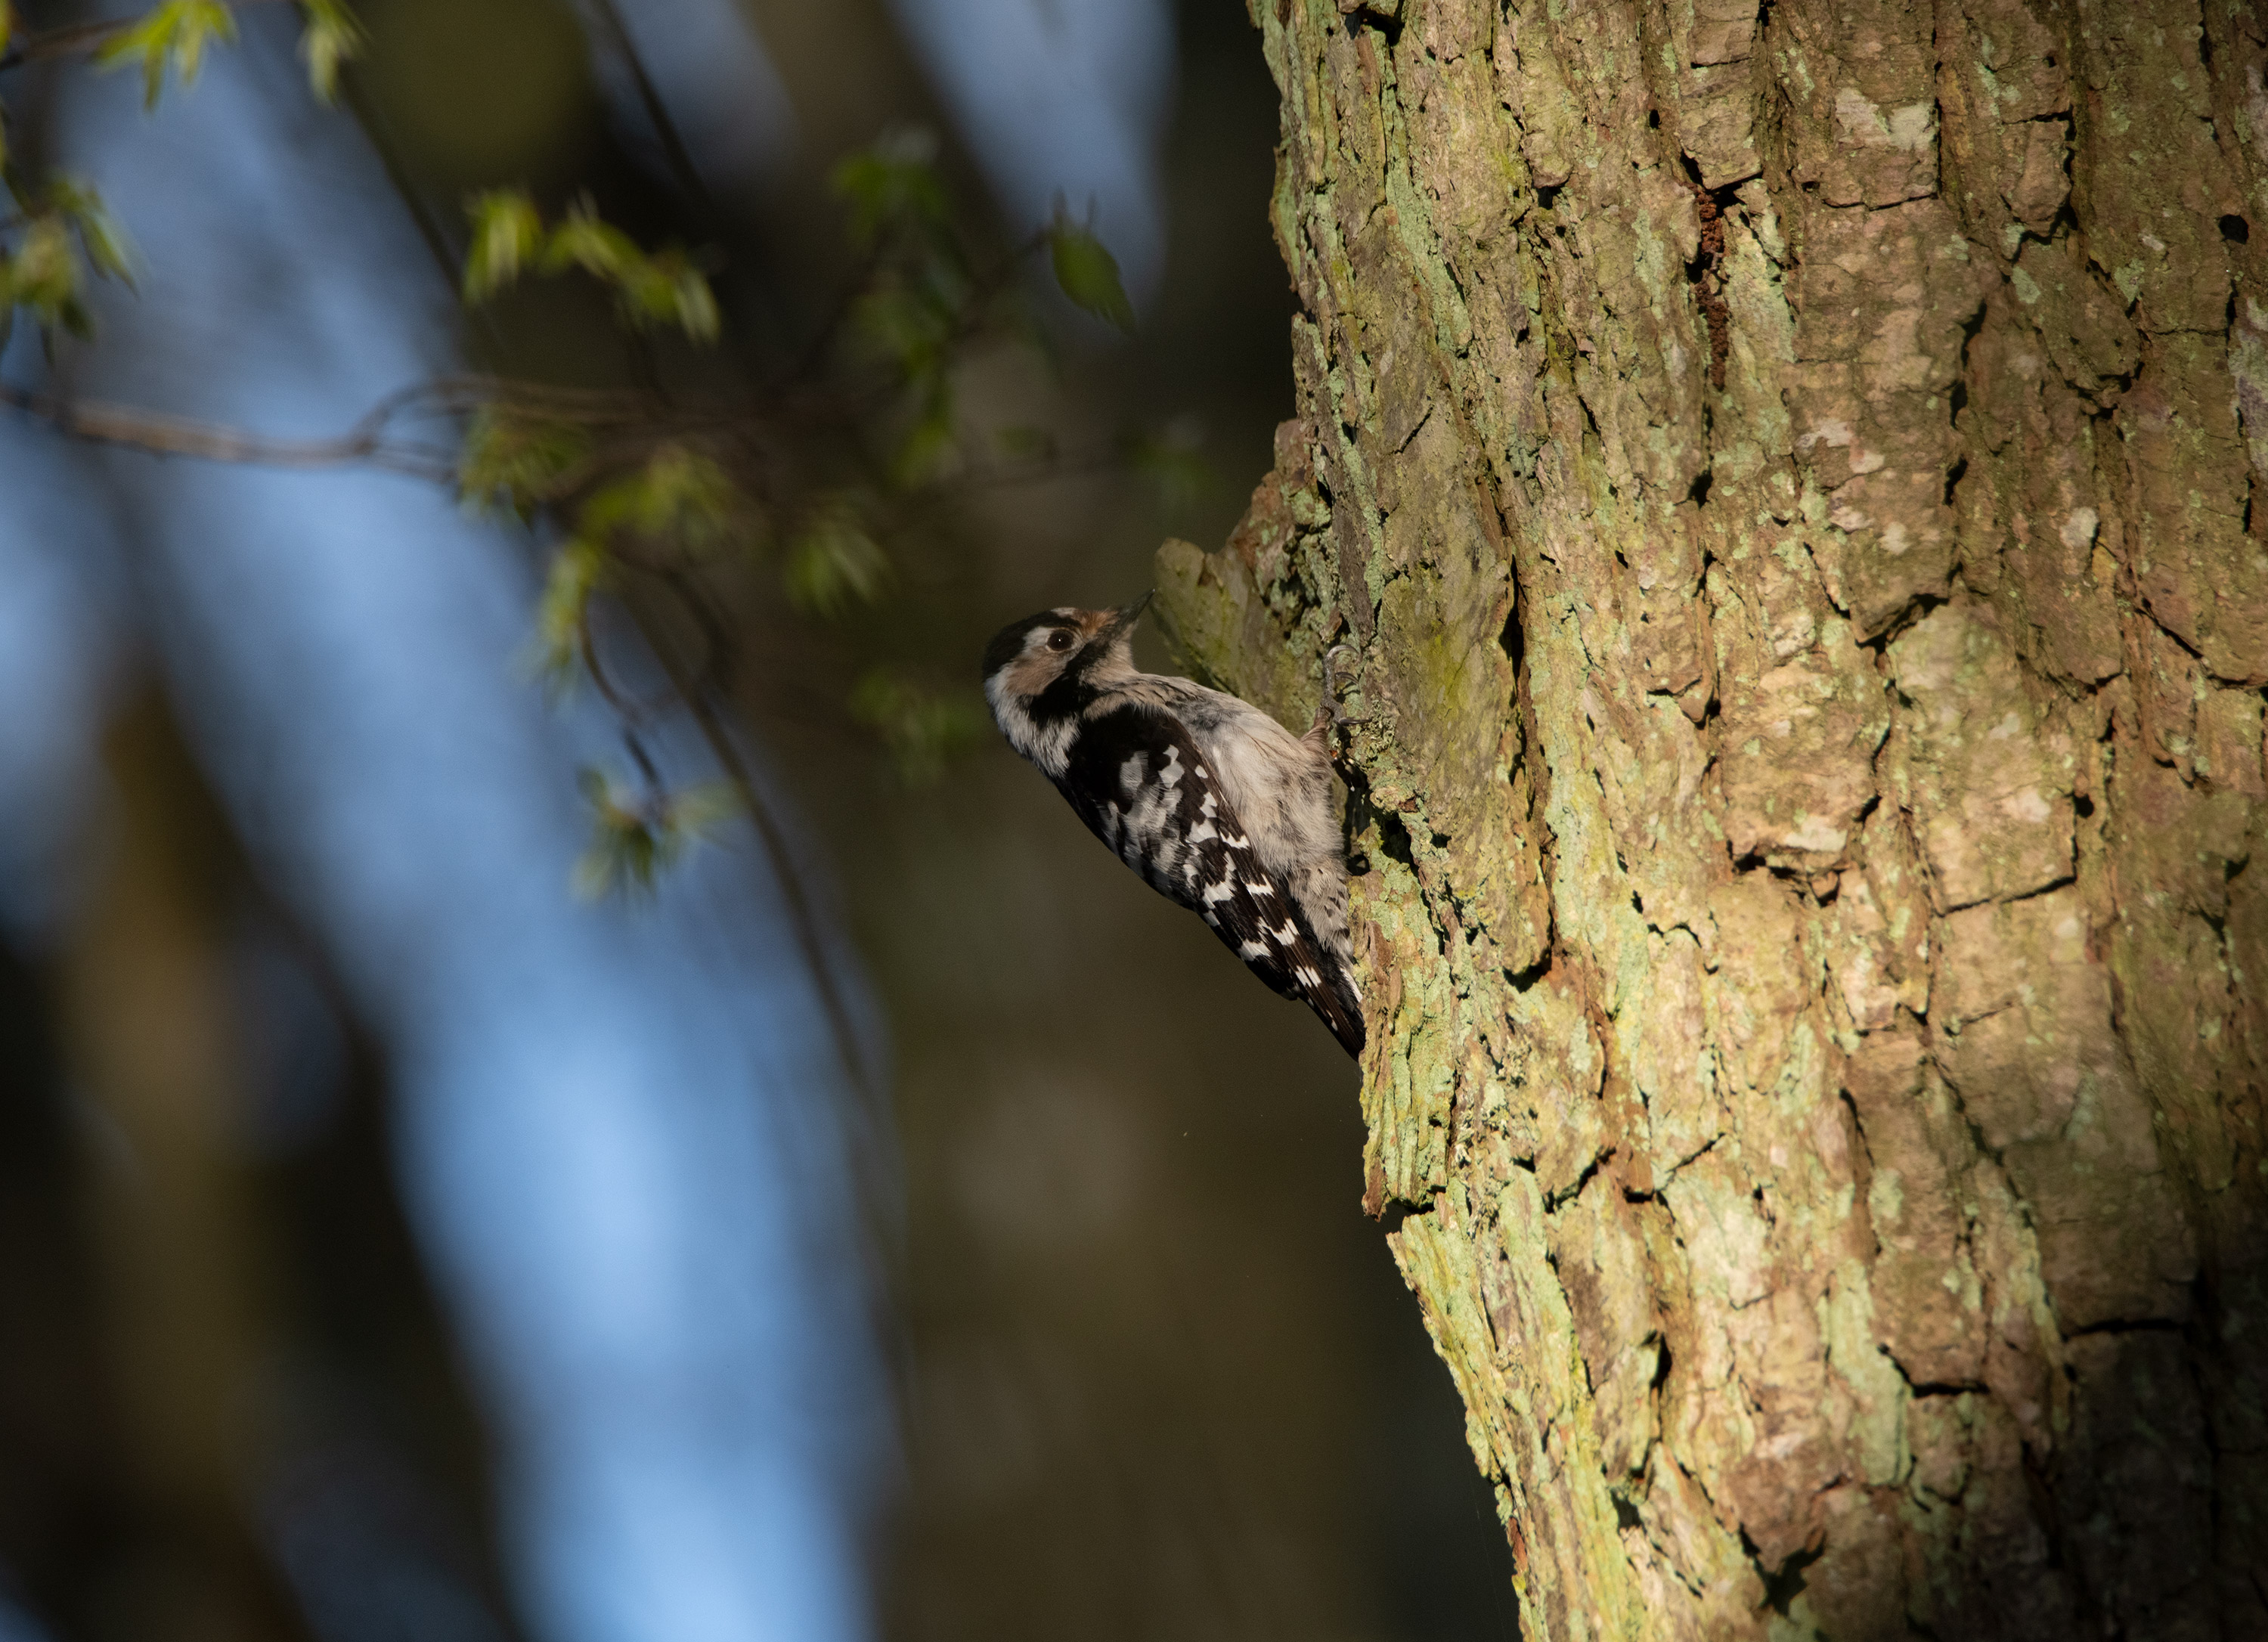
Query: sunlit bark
{"points": [[1783, 481]]}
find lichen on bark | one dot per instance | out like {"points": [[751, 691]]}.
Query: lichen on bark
{"points": [[1771, 492]]}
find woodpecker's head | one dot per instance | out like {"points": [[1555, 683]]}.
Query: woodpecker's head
{"points": [[1039, 673]]}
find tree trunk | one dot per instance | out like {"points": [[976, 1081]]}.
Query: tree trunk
{"points": [[1783, 478]]}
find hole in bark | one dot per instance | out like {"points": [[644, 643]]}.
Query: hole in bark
{"points": [[2084, 805], [1389, 28], [1391, 1217], [1520, 980], [1917, 608], [1653, 119], [1548, 197], [1784, 1586], [1394, 839], [2235, 229], [1511, 641], [1953, 477], [2204, 50], [2128, 1325], [1702, 271], [1626, 1514], [1661, 1346], [1698, 494], [1969, 328], [1556, 1201]]}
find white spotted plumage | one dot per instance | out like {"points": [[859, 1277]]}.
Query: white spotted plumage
{"points": [[1215, 803]]}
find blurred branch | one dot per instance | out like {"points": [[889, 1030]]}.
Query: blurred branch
{"points": [[673, 149], [697, 693], [649, 492], [366, 444], [89, 37]]}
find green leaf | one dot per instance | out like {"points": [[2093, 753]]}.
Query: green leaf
{"points": [[833, 563], [507, 234], [699, 811], [891, 184], [175, 31], [516, 462], [666, 289], [922, 729], [680, 496], [624, 851], [634, 840], [577, 571], [1088, 273], [333, 36], [663, 289], [908, 327], [44, 275], [108, 250], [585, 241]]}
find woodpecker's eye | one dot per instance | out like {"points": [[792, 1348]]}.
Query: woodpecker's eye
{"points": [[1059, 640]]}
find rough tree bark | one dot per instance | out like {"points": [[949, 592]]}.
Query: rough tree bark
{"points": [[1783, 476]]}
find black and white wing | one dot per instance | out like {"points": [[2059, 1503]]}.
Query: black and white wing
{"points": [[1138, 780]]}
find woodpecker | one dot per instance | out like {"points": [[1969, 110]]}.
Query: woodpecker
{"points": [[1217, 805]]}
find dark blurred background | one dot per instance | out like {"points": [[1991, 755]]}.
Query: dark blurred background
{"points": [[392, 1246]]}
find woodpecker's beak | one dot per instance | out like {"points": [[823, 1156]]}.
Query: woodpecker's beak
{"points": [[1122, 619]]}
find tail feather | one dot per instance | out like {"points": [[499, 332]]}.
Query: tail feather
{"points": [[1340, 1008]]}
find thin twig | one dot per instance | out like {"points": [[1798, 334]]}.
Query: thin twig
{"points": [[160, 435], [633, 713], [803, 918], [173, 436], [366, 443]]}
